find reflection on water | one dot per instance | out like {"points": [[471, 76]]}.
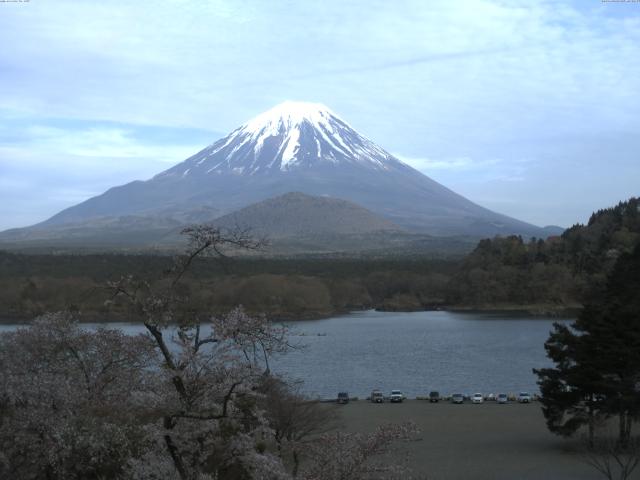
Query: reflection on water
{"points": [[415, 352]]}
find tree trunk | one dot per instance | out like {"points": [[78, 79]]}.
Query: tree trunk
{"points": [[296, 463], [176, 457], [592, 425], [625, 429], [173, 450], [629, 425]]}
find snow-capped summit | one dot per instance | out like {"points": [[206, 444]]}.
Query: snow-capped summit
{"points": [[291, 113], [290, 136]]}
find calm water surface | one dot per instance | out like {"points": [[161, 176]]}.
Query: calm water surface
{"points": [[415, 352]]}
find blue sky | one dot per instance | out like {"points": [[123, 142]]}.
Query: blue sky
{"points": [[529, 108]]}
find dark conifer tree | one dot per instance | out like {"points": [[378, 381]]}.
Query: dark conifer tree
{"points": [[597, 360]]}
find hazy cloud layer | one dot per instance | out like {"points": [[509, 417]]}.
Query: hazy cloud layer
{"points": [[529, 108]]}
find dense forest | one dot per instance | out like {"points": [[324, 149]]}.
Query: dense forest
{"points": [[282, 288], [549, 274], [541, 276]]}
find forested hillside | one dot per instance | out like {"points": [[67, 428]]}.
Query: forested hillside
{"points": [[541, 276], [557, 272]]}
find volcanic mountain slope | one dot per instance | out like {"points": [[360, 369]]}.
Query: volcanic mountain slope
{"points": [[298, 215], [295, 146]]}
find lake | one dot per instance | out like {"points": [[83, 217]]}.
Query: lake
{"points": [[416, 352]]}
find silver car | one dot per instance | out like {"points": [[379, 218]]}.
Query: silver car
{"points": [[457, 398], [524, 397]]}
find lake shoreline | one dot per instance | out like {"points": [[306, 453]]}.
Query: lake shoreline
{"points": [[415, 352], [542, 311]]}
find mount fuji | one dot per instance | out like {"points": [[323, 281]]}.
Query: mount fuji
{"points": [[294, 147]]}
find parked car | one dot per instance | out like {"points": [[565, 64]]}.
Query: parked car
{"points": [[396, 396], [524, 397], [491, 397], [477, 398], [343, 397], [434, 397], [502, 398], [377, 397], [457, 398]]}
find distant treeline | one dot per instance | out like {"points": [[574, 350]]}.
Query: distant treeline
{"points": [[281, 288], [553, 273], [545, 276]]}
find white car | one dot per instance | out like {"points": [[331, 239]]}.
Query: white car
{"points": [[477, 398], [524, 397], [377, 397], [502, 398], [396, 396]]}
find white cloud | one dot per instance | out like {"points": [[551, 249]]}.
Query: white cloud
{"points": [[108, 143], [426, 165], [215, 64], [493, 169]]}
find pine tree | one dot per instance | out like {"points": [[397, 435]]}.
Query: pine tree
{"points": [[597, 359]]}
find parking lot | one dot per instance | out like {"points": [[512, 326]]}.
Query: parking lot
{"points": [[471, 441]]}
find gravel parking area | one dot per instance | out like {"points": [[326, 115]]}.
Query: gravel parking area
{"points": [[484, 442]]}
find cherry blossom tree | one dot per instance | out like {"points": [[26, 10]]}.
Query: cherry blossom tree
{"points": [[191, 399], [70, 399], [357, 456], [207, 394], [295, 420]]}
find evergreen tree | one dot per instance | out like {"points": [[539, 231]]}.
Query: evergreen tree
{"points": [[597, 359]]}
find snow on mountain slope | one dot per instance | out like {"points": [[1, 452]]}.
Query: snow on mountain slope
{"points": [[292, 135]]}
